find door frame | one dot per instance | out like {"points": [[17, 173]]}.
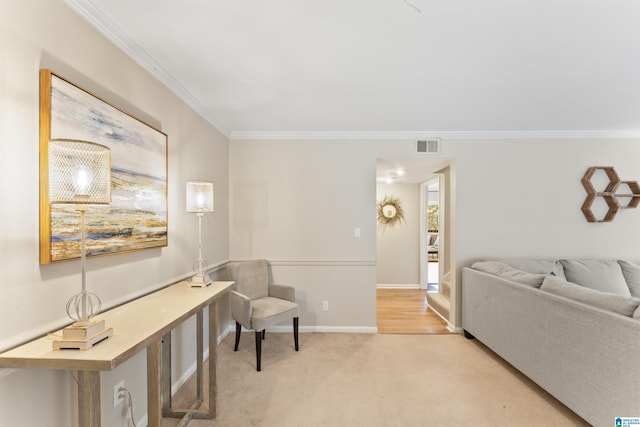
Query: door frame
{"points": [[424, 280], [424, 200]]}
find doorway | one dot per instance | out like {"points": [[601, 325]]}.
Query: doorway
{"points": [[409, 254], [430, 234]]}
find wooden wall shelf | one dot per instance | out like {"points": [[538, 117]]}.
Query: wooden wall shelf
{"points": [[614, 194]]}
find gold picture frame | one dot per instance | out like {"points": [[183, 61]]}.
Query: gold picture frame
{"points": [[137, 216]]}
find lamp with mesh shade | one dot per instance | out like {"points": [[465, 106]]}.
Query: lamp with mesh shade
{"points": [[200, 201], [80, 174]]}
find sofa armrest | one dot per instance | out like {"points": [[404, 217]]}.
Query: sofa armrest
{"points": [[282, 292], [240, 308]]}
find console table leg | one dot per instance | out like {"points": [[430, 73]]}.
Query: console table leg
{"points": [[166, 374], [213, 355], [154, 383], [89, 398], [199, 356]]}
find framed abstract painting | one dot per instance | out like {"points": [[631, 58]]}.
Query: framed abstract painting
{"points": [[137, 216]]}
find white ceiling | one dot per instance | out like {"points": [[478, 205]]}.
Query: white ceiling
{"points": [[408, 170], [390, 67]]}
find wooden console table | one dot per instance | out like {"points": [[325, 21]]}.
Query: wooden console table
{"points": [[143, 323]]}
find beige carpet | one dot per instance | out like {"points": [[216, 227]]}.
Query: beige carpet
{"points": [[375, 380]]}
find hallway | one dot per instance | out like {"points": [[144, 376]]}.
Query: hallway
{"points": [[405, 311]]}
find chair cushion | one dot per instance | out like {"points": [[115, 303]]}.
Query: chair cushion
{"points": [[251, 277], [270, 311]]}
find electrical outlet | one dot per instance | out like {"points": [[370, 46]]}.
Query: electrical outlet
{"points": [[325, 305], [118, 396]]}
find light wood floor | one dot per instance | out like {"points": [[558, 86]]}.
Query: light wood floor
{"points": [[405, 311]]}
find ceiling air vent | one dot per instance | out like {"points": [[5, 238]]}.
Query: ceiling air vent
{"points": [[428, 146]]}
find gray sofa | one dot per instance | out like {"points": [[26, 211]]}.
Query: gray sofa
{"points": [[569, 325]]}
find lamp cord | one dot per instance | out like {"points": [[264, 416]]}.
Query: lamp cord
{"points": [[130, 416]]}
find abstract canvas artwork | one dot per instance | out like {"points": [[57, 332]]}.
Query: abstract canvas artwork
{"points": [[137, 216]]}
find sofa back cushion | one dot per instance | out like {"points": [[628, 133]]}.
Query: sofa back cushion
{"points": [[536, 266], [631, 272], [505, 271], [600, 275], [604, 300]]}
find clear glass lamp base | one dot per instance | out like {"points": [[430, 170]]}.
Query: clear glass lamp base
{"points": [[200, 280]]}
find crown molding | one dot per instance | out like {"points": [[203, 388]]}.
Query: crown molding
{"points": [[410, 135], [94, 16]]}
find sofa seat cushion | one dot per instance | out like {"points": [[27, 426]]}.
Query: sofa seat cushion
{"points": [[599, 275], [505, 271], [631, 272], [604, 300]]}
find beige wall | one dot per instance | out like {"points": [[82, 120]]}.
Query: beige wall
{"points": [[37, 34], [508, 198], [398, 247], [298, 203]]}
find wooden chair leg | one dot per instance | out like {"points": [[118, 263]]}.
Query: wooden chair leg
{"points": [[258, 349], [238, 329], [295, 331]]}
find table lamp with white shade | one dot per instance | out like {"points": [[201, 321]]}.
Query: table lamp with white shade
{"points": [[80, 174], [200, 201]]}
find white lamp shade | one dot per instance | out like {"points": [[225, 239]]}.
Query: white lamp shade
{"points": [[79, 172], [199, 196]]}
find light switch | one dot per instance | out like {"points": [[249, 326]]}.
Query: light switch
{"points": [[356, 232]]}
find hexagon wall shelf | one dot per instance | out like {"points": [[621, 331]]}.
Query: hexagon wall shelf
{"points": [[617, 194], [631, 196]]}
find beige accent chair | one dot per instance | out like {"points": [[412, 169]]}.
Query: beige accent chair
{"points": [[258, 304]]}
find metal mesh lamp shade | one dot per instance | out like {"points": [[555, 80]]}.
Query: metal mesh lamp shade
{"points": [[200, 201], [199, 196], [80, 174]]}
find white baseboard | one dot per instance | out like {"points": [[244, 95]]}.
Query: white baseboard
{"points": [[327, 329], [144, 421], [455, 330], [398, 286], [282, 329], [192, 369], [439, 315]]}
